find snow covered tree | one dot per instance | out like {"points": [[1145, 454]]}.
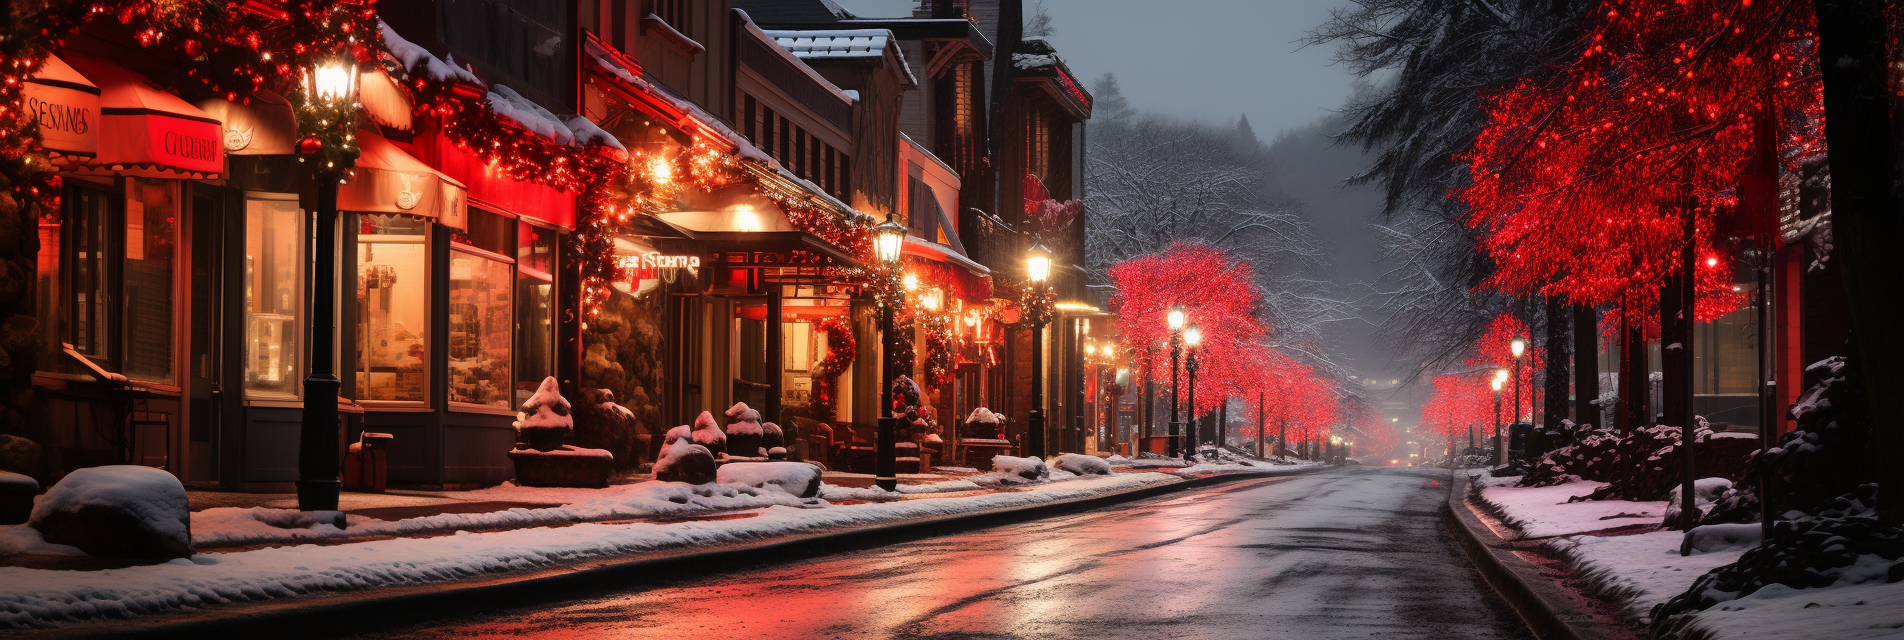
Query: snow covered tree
{"points": [[1111, 106]]}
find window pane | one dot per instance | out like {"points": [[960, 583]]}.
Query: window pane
{"points": [[274, 282], [535, 333], [393, 307], [478, 328], [151, 237], [487, 231], [90, 220], [535, 247]]}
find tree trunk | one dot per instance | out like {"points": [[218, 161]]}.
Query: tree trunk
{"points": [[1586, 365], [1633, 389], [1863, 153], [1554, 394]]}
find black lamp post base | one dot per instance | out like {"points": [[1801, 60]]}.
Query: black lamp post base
{"points": [[318, 495], [886, 467]]}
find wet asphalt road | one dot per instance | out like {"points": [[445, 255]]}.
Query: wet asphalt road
{"points": [[1346, 553]]}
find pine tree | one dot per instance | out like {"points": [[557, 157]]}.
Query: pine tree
{"points": [[1110, 106]]}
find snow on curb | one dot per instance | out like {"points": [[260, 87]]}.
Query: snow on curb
{"points": [[32, 598], [1637, 571], [1543, 512]]}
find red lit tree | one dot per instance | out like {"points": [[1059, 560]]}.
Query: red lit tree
{"points": [[1582, 183], [1218, 293]]}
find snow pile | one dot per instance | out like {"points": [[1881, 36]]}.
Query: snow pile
{"points": [[1033, 60], [683, 459], [22, 540], [546, 408], [1725, 537], [122, 511], [1705, 492], [11, 481], [1541, 512], [1636, 571], [509, 104], [1023, 468], [34, 598], [588, 134], [230, 526], [982, 415], [876, 494], [797, 478], [707, 434], [1080, 464], [412, 55]]}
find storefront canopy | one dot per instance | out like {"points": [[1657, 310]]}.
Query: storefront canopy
{"points": [[66, 104], [146, 131], [263, 127], [388, 180]]}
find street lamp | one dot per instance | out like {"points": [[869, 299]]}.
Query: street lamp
{"points": [[1175, 320], [1192, 338], [888, 238], [1519, 348], [331, 89], [1037, 270]]}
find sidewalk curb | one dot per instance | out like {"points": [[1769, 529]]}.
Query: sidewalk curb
{"points": [[363, 611], [1541, 603]]}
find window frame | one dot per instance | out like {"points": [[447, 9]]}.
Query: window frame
{"points": [[111, 272], [429, 291], [301, 308]]}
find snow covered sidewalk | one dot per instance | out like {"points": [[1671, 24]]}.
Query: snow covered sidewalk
{"points": [[1616, 548], [31, 598]]}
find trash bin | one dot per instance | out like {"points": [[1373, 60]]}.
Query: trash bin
{"points": [[365, 468]]}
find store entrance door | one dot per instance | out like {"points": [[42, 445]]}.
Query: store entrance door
{"points": [[202, 390]]}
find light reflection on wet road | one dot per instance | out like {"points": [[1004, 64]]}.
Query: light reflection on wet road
{"points": [[1349, 553]]}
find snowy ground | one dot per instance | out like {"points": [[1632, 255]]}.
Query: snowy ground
{"points": [[1542, 512], [1642, 569], [38, 598]]}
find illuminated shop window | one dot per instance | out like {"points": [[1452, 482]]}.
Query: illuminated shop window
{"points": [[274, 295], [393, 308]]}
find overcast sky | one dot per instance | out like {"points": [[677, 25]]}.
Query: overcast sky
{"points": [[1210, 59]]}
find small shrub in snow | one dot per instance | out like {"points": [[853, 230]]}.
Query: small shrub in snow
{"points": [[1083, 465], [121, 511], [1705, 492], [745, 434], [544, 421], [798, 478], [1643, 465], [1844, 544], [1027, 468], [708, 434], [682, 460]]}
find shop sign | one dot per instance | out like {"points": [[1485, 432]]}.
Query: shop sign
{"points": [[648, 266], [67, 113]]}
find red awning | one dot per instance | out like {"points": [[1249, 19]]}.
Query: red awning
{"points": [[938, 264], [144, 130], [388, 180], [491, 186], [66, 105]]}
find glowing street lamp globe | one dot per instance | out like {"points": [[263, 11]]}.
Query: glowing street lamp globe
{"points": [[1193, 336], [1500, 377], [1518, 346], [1038, 263], [1176, 318], [888, 238], [1496, 383]]}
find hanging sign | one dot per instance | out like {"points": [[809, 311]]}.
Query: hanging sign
{"points": [[648, 266]]}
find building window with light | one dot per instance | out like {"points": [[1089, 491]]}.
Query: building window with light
{"points": [[535, 307], [393, 308], [481, 285], [274, 297]]}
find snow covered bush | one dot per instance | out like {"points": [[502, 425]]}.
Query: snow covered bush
{"points": [[543, 421], [745, 434], [1705, 491], [684, 458], [1080, 464], [798, 478], [120, 511], [1843, 544], [1027, 468], [1643, 465], [707, 434]]}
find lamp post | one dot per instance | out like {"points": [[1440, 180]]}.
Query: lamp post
{"points": [[1037, 269], [1175, 320], [1519, 348], [888, 239], [1192, 338], [332, 87]]}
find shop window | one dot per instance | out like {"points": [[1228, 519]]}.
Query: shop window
{"points": [[481, 283], [535, 308], [152, 215], [393, 307], [90, 217], [274, 295], [49, 291]]}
